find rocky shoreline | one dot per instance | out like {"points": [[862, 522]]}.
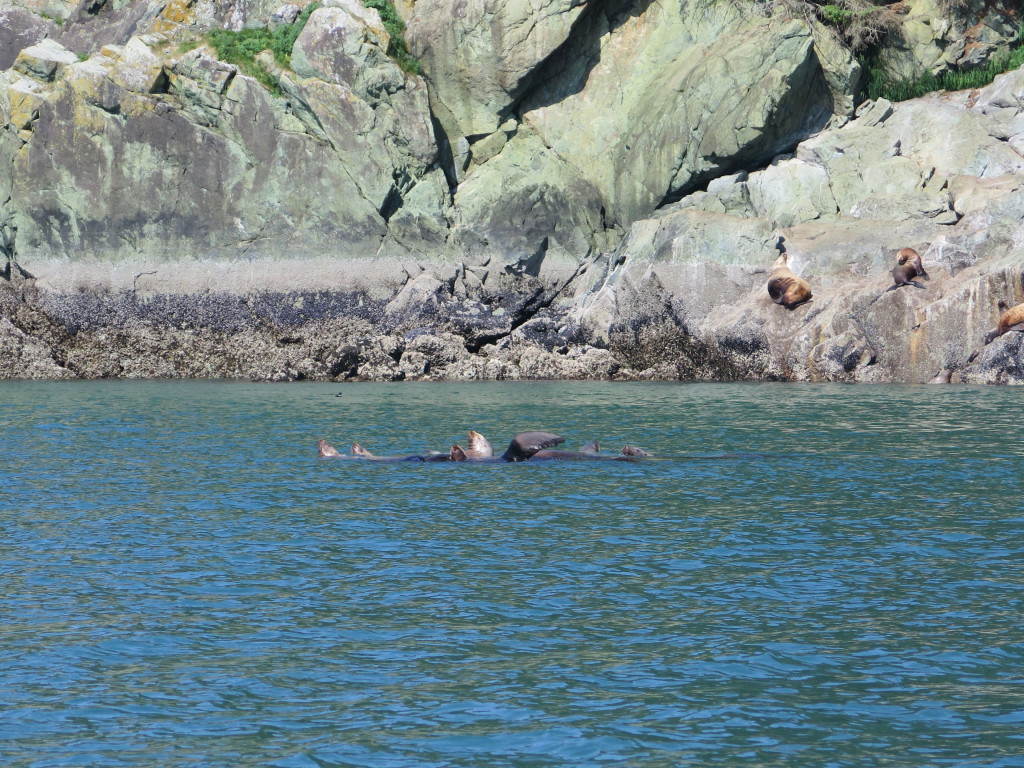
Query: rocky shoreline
{"points": [[164, 215]]}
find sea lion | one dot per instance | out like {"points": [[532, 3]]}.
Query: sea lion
{"points": [[784, 287], [590, 452], [525, 445], [478, 448], [908, 266], [361, 453], [326, 450], [1011, 319], [632, 450], [945, 376]]}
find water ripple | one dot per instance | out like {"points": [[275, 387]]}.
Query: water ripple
{"points": [[802, 578]]}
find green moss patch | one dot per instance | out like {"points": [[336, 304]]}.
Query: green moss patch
{"points": [[398, 50], [241, 48], [879, 86]]}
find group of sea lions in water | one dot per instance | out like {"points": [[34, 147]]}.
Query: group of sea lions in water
{"points": [[525, 446], [790, 291]]}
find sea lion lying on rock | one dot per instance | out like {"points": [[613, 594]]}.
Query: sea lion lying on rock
{"points": [[908, 266], [1010, 319], [784, 287]]}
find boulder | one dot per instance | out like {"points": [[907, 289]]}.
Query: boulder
{"points": [[638, 109], [19, 29], [481, 56]]}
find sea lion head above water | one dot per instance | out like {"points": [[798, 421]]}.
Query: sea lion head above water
{"points": [[478, 448], [633, 450], [358, 450], [326, 450]]}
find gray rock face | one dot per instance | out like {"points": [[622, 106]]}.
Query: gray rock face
{"points": [[640, 107], [934, 174], [20, 28], [608, 205], [481, 56]]}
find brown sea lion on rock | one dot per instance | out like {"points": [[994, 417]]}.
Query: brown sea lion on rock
{"points": [[1011, 319], [784, 287], [908, 266], [945, 376]]}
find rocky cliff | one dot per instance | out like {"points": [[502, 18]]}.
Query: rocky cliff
{"points": [[571, 188]]}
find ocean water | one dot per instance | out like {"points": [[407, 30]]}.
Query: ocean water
{"points": [[805, 575]]}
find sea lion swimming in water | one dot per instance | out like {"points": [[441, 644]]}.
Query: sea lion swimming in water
{"points": [[908, 266], [784, 287], [632, 450], [591, 452], [478, 448], [326, 450], [361, 453], [945, 376], [523, 447]]}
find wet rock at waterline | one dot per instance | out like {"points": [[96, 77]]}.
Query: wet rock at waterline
{"points": [[607, 205]]}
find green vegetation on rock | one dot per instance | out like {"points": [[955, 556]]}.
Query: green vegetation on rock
{"points": [[241, 48], [877, 85], [393, 23], [865, 28]]}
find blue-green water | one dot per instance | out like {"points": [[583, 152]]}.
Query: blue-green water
{"points": [[807, 576]]}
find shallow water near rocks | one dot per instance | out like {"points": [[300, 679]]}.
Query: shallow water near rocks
{"points": [[807, 575]]}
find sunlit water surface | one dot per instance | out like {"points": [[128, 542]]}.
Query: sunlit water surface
{"points": [[807, 576]]}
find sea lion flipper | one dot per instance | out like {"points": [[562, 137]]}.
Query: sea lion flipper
{"points": [[526, 444], [593, 446]]}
